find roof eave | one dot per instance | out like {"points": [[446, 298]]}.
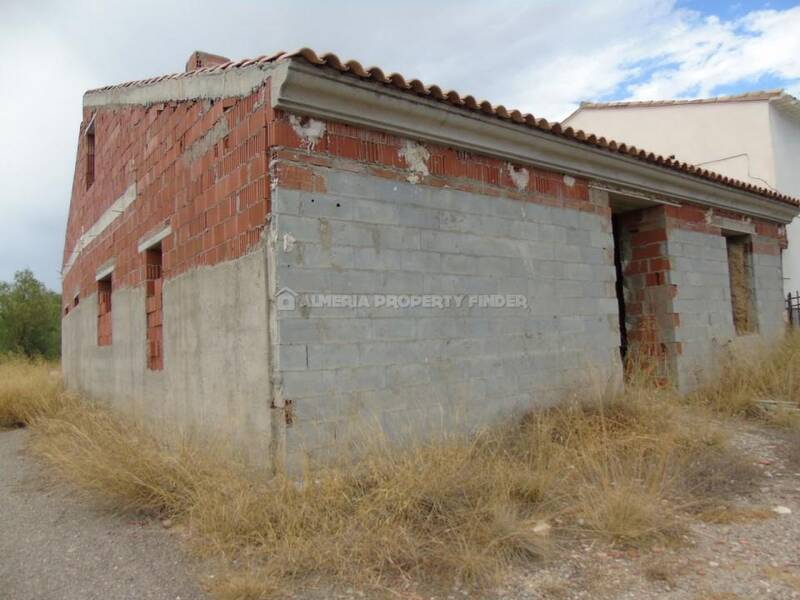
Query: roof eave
{"points": [[758, 96], [239, 78], [788, 105], [210, 84], [302, 88]]}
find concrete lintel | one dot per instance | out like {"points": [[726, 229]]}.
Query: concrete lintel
{"points": [[105, 270], [151, 240], [327, 94], [623, 200], [90, 126], [733, 226], [106, 219]]}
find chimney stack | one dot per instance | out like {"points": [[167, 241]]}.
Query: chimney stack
{"points": [[200, 59]]}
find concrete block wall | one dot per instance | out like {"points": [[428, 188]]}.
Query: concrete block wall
{"points": [[216, 379], [770, 303], [416, 367], [358, 212], [768, 244], [699, 271]]}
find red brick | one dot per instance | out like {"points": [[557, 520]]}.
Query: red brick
{"points": [[658, 264], [650, 251], [649, 237]]}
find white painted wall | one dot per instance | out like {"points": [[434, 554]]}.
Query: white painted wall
{"points": [[732, 138], [754, 141], [786, 145]]}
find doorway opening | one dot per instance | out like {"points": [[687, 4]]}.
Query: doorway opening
{"points": [[619, 285], [642, 284]]}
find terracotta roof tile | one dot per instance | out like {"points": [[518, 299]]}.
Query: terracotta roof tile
{"points": [[415, 86], [746, 97]]}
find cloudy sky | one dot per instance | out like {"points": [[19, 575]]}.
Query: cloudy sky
{"points": [[539, 56]]}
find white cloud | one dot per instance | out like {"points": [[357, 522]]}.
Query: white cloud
{"points": [[656, 53], [711, 53], [541, 57]]}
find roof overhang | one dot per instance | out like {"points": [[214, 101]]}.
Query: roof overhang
{"points": [[780, 99], [787, 104], [211, 85], [305, 89], [298, 86]]}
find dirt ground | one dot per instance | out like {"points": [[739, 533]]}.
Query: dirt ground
{"points": [[56, 546], [757, 556]]}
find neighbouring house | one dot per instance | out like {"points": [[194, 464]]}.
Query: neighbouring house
{"points": [[752, 137], [269, 250]]}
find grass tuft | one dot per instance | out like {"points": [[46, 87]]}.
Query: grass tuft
{"points": [[754, 379], [29, 389], [119, 461]]}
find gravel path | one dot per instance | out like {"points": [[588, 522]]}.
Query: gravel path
{"points": [[54, 546]]}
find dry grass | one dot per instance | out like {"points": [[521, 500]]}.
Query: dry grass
{"points": [[783, 576], [553, 587], [28, 390], [619, 466], [120, 461], [663, 571], [749, 377]]}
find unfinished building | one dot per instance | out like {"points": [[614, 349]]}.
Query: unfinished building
{"points": [[269, 249]]}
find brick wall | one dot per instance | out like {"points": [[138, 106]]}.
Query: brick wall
{"points": [[677, 286], [200, 167], [648, 289]]}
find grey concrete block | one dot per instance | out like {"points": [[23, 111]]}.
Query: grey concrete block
{"points": [[355, 379], [332, 356], [398, 328], [399, 376], [293, 357], [413, 260]]}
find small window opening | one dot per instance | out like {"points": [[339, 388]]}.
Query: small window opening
{"points": [[740, 269], [104, 287], [154, 308], [90, 152], [76, 300]]}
